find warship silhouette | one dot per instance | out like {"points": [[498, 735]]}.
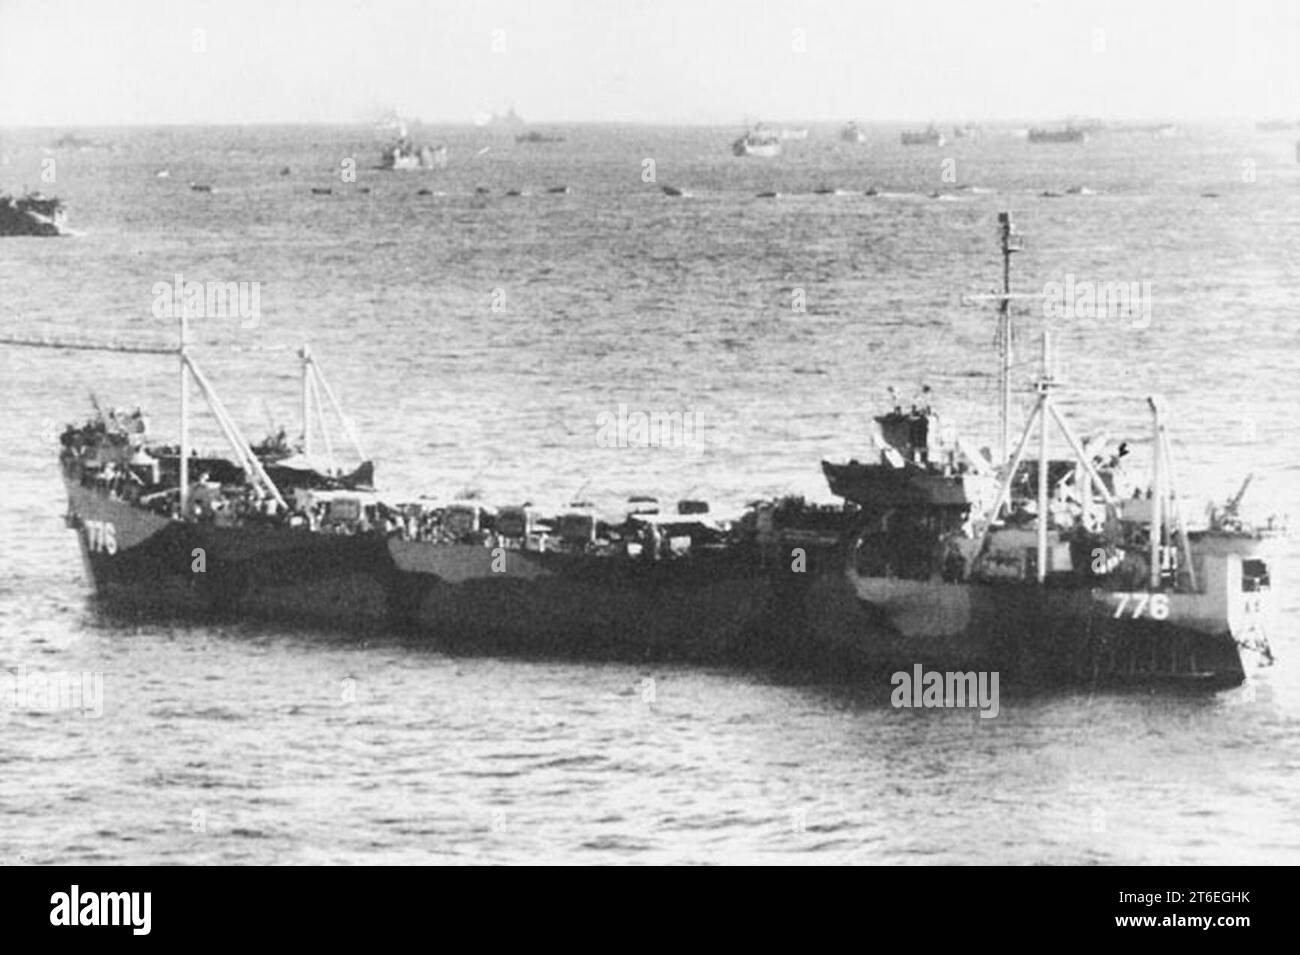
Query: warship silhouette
{"points": [[1059, 567]]}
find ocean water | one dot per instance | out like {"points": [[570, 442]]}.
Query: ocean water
{"points": [[476, 340]]}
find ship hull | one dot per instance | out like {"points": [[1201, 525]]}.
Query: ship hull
{"points": [[427, 158], [757, 150], [808, 609], [1032, 634], [30, 224], [706, 608], [1062, 136], [460, 597], [154, 566]]}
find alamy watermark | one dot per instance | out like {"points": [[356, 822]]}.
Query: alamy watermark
{"points": [[1075, 298], [940, 689], [130, 909], [54, 690], [242, 300], [649, 429]]}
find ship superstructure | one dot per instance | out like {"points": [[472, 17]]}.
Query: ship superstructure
{"points": [[1050, 561], [32, 214], [758, 141]]}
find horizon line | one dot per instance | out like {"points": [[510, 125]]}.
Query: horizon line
{"points": [[1216, 119]]}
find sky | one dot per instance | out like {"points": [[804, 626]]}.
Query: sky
{"points": [[105, 62]]}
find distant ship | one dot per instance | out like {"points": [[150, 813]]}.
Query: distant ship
{"points": [[1069, 134], [73, 141], [969, 131], [32, 214], [794, 134], [534, 136], [1277, 125], [759, 141], [852, 133], [404, 154], [1063, 568], [1154, 130], [508, 119], [930, 136]]}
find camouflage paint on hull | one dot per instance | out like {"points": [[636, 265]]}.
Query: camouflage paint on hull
{"points": [[1032, 634], [262, 572], [705, 608]]}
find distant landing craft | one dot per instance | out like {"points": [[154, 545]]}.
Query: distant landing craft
{"points": [[930, 136], [32, 214], [534, 136], [1070, 134], [758, 142], [851, 133]]}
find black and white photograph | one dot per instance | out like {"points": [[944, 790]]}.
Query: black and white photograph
{"points": [[650, 432]]}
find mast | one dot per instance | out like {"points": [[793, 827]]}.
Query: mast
{"points": [[1045, 389], [183, 354], [306, 399], [189, 372], [316, 392], [1157, 495], [1041, 416], [1009, 241], [1174, 506], [1004, 336]]}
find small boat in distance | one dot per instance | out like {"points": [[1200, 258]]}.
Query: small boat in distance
{"points": [[852, 133], [404, 154], [930, 136], [73, 141], [508, 118], [795, 134], [1070, 134], [534, 136], [32, 214], [758, 142]]}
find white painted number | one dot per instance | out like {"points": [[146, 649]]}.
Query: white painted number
{"points": [[1156, 606], [101, 536]]}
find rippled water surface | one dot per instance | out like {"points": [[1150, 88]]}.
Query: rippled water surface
{"points": [[261, 745]]}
